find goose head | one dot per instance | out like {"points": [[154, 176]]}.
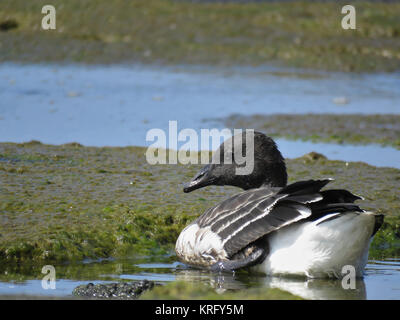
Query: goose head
{"points": [[247, 160]]}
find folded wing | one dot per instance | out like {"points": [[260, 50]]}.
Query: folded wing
{"points": [[247, 216]]}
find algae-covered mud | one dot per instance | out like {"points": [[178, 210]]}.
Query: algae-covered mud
{"points": [[69, 202], [354, 129], [300, 33]]}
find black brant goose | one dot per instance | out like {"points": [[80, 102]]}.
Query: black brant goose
{"points": [[272, 227]]}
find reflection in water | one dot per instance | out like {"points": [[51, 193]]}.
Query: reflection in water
{"points": [[221, 282], [318, 288], [314, 289], [381, 281]]}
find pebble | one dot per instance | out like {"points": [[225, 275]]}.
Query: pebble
{"points": [[340, 100]]}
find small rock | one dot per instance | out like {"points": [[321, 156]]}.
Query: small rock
{"points": [[32, 143], [340, 100], [8, 24], [73, 144], [158, 98], [313, 156], [119, 290], [73, 94]]}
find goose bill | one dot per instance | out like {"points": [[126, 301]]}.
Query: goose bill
{"points": [[200, 180]]}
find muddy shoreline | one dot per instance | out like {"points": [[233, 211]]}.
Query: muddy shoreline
{"points": [[354, 129], [296, 34]]}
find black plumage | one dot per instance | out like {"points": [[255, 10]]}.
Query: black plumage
{"points": [[250, 215], [268, 204]]}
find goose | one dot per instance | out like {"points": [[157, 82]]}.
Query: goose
{"points": [[272, 227]]}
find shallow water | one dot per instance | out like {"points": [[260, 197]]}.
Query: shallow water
{"points": [[116, 105], [381, 280]]}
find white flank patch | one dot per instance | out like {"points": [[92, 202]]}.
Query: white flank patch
{"points": [[199, 246], [320, 250]]}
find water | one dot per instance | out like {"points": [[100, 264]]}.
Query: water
{"points": [[117, 105], [381, 280]]}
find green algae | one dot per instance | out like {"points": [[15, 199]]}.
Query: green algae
{"points": [[71, 203], [182, 290], [383, 129], [300, 34], [386, 242]]}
